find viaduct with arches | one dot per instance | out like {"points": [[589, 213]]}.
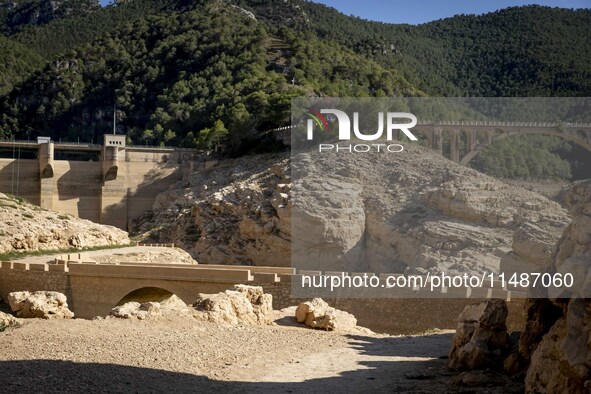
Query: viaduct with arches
{"points": [[467, 139]]}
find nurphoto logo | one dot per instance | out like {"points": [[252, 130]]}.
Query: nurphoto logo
{"points": [[392, 121]]}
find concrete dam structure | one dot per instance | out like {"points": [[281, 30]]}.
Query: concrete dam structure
{"points": [[110, 184]]}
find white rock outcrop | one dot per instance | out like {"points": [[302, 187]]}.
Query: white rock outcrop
{"points": [[173, 306], [26, 227], [386, 213], [40, 304], [481, 339], [6, 321], [318, 314], [557, 337], [240, 305]]}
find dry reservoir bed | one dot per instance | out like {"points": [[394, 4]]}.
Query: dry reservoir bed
{"points": [[178, 354]]}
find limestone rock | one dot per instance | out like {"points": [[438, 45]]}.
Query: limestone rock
{"points": [[547, 373], [558, 330], [40, 304], [6, 321], [26, 227], [481, 339], [536, 244], [355, 215], [136, 310], [240, 305], [318, 314], [150, 310], [492, 313], [150, 255], [262, 304], [541, 316]]}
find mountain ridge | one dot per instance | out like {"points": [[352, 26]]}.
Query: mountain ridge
{"points": [[301, 48]]}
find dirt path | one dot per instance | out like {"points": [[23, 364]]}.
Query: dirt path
{"points": [[147, 254], [364, 364], [177, 355]]}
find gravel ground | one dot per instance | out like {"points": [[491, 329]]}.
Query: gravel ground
{"points": [[178, 354]]}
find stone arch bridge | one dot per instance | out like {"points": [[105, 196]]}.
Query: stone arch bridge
{"points": [[464, 140], [468, 139], [94, 289]]}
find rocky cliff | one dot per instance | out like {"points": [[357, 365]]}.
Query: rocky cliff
{"points": [[415, 211], [558, 332], [25, 227]]}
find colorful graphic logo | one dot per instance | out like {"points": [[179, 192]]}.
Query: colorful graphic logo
{"points": [[319, 119]]}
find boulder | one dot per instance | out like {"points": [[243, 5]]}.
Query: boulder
{"points": [[481, 338], [480, 379], [318, 314], [6, 321], [40, 304], [547, 372], [149, 310], [262, 304], [240, 305]]}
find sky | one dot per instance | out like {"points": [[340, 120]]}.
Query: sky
{"points": [[421, 11]]}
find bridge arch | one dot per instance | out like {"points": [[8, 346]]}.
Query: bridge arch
{"points": [[146, 294], [97, 289]]}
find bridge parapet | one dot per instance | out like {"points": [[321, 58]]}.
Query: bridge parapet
{"points": [[186, 274]]}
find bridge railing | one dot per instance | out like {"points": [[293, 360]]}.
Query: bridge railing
{"points": [[7, 141], [169, 245], [502, 124], [474, 123], [93, 145]]}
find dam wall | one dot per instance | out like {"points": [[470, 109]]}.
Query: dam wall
{"points": [[110, 184]]}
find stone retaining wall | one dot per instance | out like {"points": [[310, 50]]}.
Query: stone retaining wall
{"points": [[33, 277]]}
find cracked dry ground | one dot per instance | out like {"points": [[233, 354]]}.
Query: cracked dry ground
{"points": [[177, 354]]}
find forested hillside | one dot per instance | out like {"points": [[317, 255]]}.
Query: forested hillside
{"points": [[521, 51], [186, 78], [188, 72]]}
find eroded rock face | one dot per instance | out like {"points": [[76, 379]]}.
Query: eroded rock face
{"points": [[558, 331], [376, 213], [26, 227], [481, 339], [40, 304], [318, 314], [240, 305]]}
